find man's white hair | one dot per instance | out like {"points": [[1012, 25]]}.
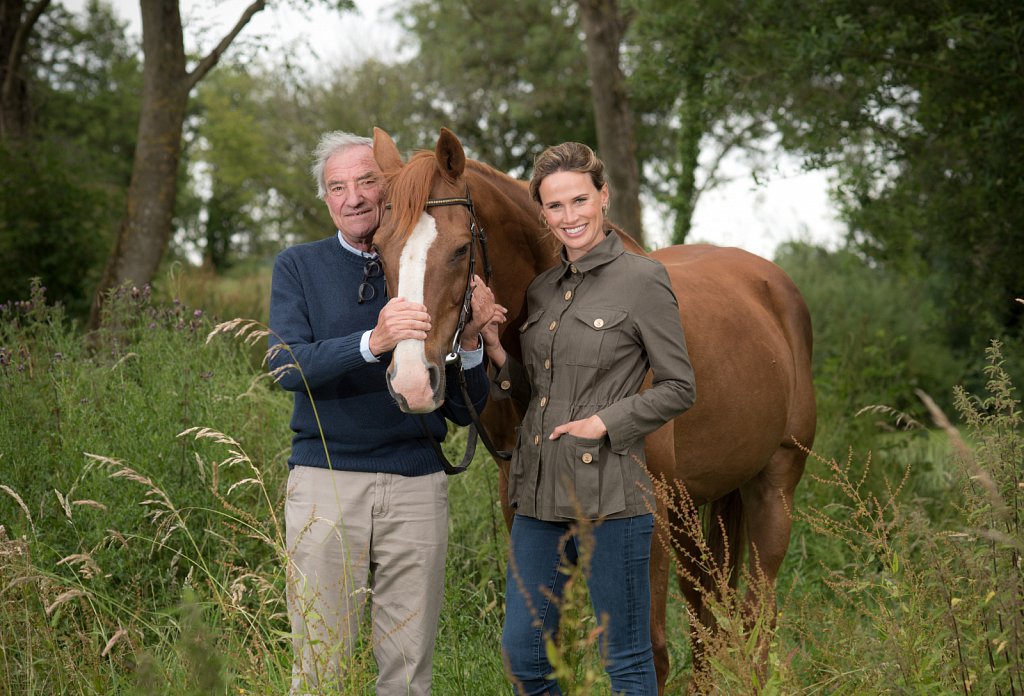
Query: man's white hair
{"points": [[331, 143]]}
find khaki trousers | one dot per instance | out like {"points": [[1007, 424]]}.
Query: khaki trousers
{"points": [[355, 536]]}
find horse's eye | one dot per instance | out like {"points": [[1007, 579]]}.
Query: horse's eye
{"points": [[460, 252]]}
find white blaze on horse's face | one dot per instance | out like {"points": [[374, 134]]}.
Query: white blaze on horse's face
{"points": [[411, 376]]}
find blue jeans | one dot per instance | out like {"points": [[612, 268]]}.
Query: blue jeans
{"points": [[619, 587]]}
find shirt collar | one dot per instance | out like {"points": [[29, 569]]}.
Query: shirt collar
{"points": [[348, 247], [606, 251]]}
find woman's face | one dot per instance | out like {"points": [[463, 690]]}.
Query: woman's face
{"points": [[573, 209]]}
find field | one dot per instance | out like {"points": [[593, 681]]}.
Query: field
{"points": [[141, 541]]}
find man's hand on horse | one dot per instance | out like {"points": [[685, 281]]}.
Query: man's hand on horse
{"points": [[399, 320], [486, 316]]}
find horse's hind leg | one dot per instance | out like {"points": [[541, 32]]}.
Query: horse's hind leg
{"points": [[767, 503]]}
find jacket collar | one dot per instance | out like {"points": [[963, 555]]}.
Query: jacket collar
{"points": [[605, 252]]}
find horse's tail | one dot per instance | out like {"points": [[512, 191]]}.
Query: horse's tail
{"points": [[725, 539]]}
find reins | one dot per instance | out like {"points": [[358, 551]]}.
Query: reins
{"points": [[476, 428]]}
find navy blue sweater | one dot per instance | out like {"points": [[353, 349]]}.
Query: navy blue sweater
{"points": [[313, 310]]}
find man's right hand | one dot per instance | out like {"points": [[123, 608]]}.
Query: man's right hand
{"points": [[399, 320]]}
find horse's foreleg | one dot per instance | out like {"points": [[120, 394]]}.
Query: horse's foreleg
{"points": [[499, 419]]}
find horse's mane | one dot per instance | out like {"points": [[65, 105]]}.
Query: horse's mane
{"points": [[408, 190]]}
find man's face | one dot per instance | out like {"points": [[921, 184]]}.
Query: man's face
{"points": [[352, 182]]}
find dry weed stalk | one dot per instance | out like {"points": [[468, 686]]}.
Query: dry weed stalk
{"points": [[735, 625]]}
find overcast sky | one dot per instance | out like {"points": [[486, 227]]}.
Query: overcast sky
{"points": [[754, 215]]}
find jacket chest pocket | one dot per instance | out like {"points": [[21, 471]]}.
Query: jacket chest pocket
{"points": [[595, 336], [531, 340]]}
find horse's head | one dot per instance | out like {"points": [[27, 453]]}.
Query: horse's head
{"points": [[426, 246]]}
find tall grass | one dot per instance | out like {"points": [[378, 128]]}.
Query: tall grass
{"points": [[142, 475]]}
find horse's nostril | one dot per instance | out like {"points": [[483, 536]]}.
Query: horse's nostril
{"points": [[435, 378]]}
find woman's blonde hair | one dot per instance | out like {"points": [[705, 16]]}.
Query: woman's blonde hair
{"points": [[567, 157]]}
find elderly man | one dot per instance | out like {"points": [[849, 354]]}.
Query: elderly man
{"points": [[367, 501]]}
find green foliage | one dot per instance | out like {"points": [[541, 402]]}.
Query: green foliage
{"points": [[86, 87], [52, 226], [918, 107], [244, 198], [141, 552], [928, 607], [689, 68], [63, 186], [508, 78], [876, 338], [120, 514]]}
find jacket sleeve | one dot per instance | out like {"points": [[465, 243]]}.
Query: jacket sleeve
{"points": [[292, 342], [513, 381], [672, 390]]}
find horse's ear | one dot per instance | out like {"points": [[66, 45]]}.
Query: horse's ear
{"points": [[385, 152], [450, 155]]}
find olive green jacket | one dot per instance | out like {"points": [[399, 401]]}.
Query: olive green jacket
{"points": [[593, 329]]}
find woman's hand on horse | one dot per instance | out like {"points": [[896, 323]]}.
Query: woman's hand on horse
{"points": [[399, 320], [592, 428], [486, 317]]}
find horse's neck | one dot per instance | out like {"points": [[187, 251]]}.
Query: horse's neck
{"points": [[518, 246], [512, 220]]}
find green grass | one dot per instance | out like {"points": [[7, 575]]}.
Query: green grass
{"points": [[142, 477]]}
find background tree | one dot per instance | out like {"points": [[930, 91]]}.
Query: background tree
{"points": [[920, 108], [63, 179], [508, 78], [18, 18], [249, 143], [605, 27], [690, 72], [143, 236]]}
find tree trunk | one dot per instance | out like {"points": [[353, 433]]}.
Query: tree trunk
{"points": [[16, 23], [604, 27], [692, 127], [146, 228]]}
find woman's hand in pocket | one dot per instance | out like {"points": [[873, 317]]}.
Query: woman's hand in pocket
{"points": [[592, 428]]}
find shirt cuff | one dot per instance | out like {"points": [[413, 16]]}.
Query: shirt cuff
{"points": [[472, 358], [364, 348]]}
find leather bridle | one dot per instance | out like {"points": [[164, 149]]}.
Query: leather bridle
{"points": [[477, 236]]}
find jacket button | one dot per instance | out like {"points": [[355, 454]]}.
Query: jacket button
{"points": [[587, 457], [547, 364], [543, 401], [505, 384], [568, 295], [599, 323], [552, 325], [572, 267], [536, 439]]}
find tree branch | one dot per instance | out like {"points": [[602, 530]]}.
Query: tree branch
{"points": [[18, 46], [213, 57]]}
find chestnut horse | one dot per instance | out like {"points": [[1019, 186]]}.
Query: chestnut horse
{"points": [[748, 333]]}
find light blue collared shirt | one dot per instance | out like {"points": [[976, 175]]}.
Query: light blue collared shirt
{"points": [[470, 358]]}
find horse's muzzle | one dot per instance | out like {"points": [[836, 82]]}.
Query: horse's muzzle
{"points": [[416, 384]]}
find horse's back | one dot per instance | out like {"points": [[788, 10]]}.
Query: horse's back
{"points": [[748, 333]]}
